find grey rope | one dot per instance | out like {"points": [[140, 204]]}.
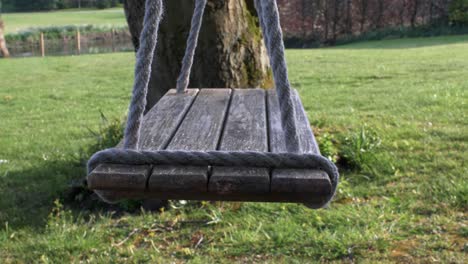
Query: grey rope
{"points": [[219, 158], [145, 54], [268, 11], [213, 158], [192, 41], [130, 155], [258, 7]]}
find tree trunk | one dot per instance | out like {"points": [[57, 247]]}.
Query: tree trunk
{"points": [[230, 52], [380, 13], [349, 18], [414, 13], [401, 13], [326, 18], [3, 47], [336, 18], [363, 9]]}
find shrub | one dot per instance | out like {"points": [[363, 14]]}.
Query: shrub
{"points": [[101, 4], [327, 147], [458, 12], [63, 4], [358, 151]]}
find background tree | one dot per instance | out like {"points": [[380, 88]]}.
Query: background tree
{"points": [[230, 52], [459, 12], [328, 21]]}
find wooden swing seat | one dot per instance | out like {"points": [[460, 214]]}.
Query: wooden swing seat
{"points": [[216, 119]]}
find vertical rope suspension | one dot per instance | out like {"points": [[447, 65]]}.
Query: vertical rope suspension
{"points": [[145, 54], [192, 41], [269, 21], [258, 7], [273, 35]]}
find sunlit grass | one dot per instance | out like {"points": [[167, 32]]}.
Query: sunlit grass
{"points": [[398, 107]]}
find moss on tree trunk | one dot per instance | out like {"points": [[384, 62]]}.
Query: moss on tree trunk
{"points": [[230, 53]]}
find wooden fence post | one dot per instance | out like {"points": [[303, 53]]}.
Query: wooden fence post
{"points": [[112, 39], [78, 41], [42, 45]]}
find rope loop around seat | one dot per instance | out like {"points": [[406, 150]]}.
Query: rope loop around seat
{"points": [[219, 158]]}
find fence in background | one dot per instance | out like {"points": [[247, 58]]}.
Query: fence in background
{"points": [[101, 42]]}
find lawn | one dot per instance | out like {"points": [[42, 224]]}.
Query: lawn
{"points": [[392, 113], [16, 22]]}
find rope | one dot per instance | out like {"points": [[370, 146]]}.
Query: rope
{"points": [[258, 7], [213, 158], [269, 21], [219, 158], [145, 54], [187, 62], [268, 11]]}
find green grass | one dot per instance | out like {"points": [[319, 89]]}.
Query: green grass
{"points": [[398, 107], [15, 22]]}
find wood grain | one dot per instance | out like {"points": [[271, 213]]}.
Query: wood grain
{"points": [[200, 130], [223, 119], [163, 119], [245, 130], [312, 185]]}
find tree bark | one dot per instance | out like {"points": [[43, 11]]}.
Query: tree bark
{"points": [[336, 18], [3, 47], [363, 10], [326, 20], [230, 52], [349, 18], [380, 13], [414, 13]]}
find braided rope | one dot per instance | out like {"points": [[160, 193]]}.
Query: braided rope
{"points": [[192, 41], [145, 54], [218, 158], [213, 158], [268, 11]]}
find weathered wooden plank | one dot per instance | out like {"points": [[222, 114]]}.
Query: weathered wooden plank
{"points": [[119, 177], [200, 130], [307, 139], [245, 130], [163, 119], [311, 184]]}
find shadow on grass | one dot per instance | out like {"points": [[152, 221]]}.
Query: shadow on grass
{"points": [[28, 196]]}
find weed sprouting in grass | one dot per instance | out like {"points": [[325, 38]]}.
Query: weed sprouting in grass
{"points": [[358, 151], [327, 146], [59, 217], [108, 135]]}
